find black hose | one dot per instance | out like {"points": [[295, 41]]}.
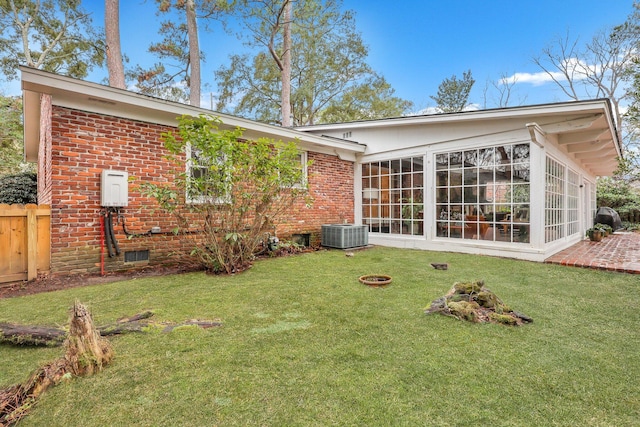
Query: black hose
{"points": [[107, 232], [114, 241]]}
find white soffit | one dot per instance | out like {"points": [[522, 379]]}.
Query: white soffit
{"points": [[589, 139]]}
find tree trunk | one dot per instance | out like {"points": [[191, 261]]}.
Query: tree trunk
{"points": [[194, 54], [114, 54], [286, 66]]}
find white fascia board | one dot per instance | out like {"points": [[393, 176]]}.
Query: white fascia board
{"points": [[574, 107], [92, 97]]}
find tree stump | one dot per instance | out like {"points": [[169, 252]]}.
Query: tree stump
{"points": [[86, 351]]}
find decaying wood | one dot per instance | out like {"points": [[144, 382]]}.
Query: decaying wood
{"points": [[50, 336], [204, 324], [86, 352], [24, 335], [31, 335], [473, 302]]}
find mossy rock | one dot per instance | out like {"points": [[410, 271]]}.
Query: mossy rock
{"points": [[459, 297], [504, 319], [472, 302], [464, 310], [468, 288], [487, 299]]}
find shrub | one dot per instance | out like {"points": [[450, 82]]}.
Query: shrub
{"points": [[19, 189], [237, 190]]}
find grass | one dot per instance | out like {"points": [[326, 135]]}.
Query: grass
{"points": [[305, 344]]}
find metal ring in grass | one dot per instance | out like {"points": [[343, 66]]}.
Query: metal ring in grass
{"points": [[375, 279]]}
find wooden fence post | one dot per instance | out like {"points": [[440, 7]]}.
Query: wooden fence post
{"points": [[32, 242]]}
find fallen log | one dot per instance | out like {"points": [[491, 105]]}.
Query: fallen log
{"points": [[31, 335], [53, 337], [204, 324], [24, 335]]}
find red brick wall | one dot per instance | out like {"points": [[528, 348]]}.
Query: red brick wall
{"points": [[44, 151], [84, 144]]}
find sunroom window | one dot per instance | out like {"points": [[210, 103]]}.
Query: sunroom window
{"points": [[483, 194], [393, 195]]}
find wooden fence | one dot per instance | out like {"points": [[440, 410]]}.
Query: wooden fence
{"points": [[25, 241]]}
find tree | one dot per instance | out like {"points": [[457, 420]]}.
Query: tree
{"points": [[596, 71], [328, 60], [236, 190], [54, 35], [177, 75], [370, 100], [453, 94], [115, 65], [11, 145], [504, 89], [194, 53]]}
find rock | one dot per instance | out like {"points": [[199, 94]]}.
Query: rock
{"points": [[437, 305], [523, 317]]}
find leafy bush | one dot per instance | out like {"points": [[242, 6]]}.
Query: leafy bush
{"points": [[236, 190], [20, 189]]}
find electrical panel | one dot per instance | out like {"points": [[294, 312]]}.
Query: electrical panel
{"points": [[114, 188]]}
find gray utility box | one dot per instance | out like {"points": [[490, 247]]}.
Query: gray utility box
{"points": [[343, 236]]}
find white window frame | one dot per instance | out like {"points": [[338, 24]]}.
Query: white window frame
{"points": [[304, 156], [200, 199]]}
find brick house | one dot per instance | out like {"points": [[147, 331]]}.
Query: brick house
{"points": [[517, 182], [75, 130]]}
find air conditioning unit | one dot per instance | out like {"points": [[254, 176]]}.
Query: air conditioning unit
{"points": [[344, 236]]}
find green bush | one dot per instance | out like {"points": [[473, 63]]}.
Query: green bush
{"points": [[19, 189]]}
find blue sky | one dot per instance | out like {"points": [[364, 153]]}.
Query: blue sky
{"points": [[417, 44]]}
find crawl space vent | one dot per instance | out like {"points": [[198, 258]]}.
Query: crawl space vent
{"points": [[136, 256]]}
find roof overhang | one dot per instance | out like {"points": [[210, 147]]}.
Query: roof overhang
{"points": [[584, 130], [85, 96]]}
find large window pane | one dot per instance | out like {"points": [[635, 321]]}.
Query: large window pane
{"points": [[488, 193]]}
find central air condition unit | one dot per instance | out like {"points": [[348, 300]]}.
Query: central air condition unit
{"points": [[344, 236]]}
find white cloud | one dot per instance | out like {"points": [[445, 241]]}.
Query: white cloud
{"points": [[536, 79], [576, 68]]}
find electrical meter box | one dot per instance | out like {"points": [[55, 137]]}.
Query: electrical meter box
{"points": [[114, 188]]}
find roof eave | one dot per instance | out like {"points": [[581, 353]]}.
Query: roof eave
{"points": [[87, 96]]}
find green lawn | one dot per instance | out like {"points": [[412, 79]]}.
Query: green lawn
{"points": [[304, 344]]}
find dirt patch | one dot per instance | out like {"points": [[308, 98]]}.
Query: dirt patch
{"points": [[48, 284]]}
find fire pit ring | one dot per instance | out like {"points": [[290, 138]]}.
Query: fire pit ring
{"points": [[375, 279]]}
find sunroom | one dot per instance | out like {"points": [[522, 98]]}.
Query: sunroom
{"points": [[516, 182]]}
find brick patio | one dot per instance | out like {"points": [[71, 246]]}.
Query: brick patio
{"points": [[618, 252]]}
